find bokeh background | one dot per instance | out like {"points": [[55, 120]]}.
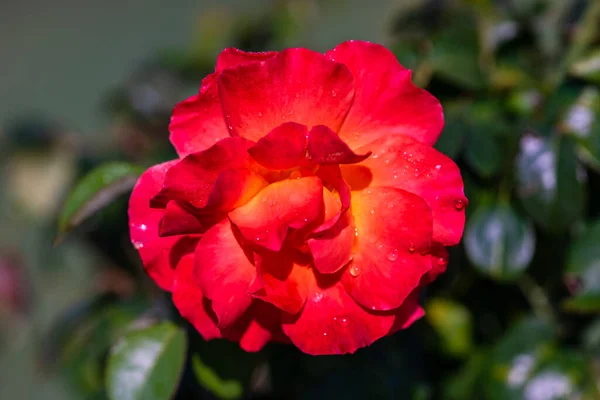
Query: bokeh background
{"points": [[516, 316]]}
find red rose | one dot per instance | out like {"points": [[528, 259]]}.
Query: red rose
{"points": [[307, 204]]}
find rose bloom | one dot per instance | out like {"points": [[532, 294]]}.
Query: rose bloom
{"points": [[307, 204]]}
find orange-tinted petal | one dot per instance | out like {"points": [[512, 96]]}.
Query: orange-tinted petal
{"points": [[393, 242], [386, 102], [292, 203], [406, 164], [282, 148]]}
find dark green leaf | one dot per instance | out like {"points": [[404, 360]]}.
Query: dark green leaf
{"points": [[499, 242], [210, 380], [96, 190], [146, 364], [583, 271], [551, 183]]}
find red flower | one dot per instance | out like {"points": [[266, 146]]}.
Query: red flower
{"points": [[307, 204]]}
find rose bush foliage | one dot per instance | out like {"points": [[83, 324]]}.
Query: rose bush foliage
{"points": [[307, 204]]}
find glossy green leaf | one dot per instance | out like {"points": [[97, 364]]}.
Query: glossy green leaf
{"points": [[453, 323], [499, 242], [551, 183], [96, 190], [582, 274], [224, 389], [588, 67], [515, 357], [146, 364]]}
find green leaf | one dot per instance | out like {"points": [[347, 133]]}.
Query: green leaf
{"points": [[454, 56], [453, 323], [146, 364], [456, 127], [210, 380], [588, 67], [551, 183], [515, 357], [583, 271], [499, 242], [96, 190]]}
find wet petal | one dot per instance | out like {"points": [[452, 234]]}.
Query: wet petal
{"points": [[297, 85], [386, 102], [282, 148], [326, 147], [392, 248]]}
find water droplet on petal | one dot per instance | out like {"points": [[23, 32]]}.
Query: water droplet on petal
{"points": [[459, 204], [372, 211], [342, 321], [324, 333], [333, 93], [259, 114], [393, 255], [356, 232], [411, 248], [355, 270], [138, 245], [442, 261], [438, 167], [230, 127]]}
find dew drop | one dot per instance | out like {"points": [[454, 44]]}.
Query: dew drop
{"points": [[324, 333], [356, 232], [259, 114], [372, 211], [393, 255], [355, 270], [459, 204], [411, 248], [333, 93], [342, 321], [264, 200], [138, 245], [438, 167], [442, 261]]}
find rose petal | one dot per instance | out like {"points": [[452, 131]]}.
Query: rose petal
{"points": [[406, 164], [198, 122], [190, 302], [408, 313], [282, 148], [198, 179], [231, 57], [332, 249], [393, 241], [296, 85], [144, 224], [386, 102], [331, 322], [292, 203], [280, 281], [326, 147], [224, 272], [177, 220], [439, 263], [260, 324]]}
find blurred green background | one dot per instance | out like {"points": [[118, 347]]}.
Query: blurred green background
{"points": [[86, 91]]}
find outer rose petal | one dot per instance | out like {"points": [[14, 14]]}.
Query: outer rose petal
{"points": [[409, 312], [439, 263], [296, 85], [216, 177], [144, 224], [326, 147], [393, 241], [281, 281], [282, 148], [224, 272], [386, 102], [190, 302], [332, 323], [198, 122], [292, 203], [407, 164]]}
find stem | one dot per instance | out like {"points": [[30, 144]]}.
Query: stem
{"points": [[537, 298]]}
